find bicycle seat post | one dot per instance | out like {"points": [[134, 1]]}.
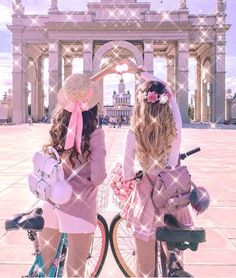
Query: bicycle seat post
{"points": [[32, 235]]}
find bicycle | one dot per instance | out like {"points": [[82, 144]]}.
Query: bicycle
{"points": [[123, 250], [33, 222]]}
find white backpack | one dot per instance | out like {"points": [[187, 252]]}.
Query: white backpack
{"points": [[47, 182]]}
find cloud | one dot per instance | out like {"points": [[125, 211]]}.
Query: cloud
{"points": [[6, 72], [231, 73], [5, 17], [160, 68], [231, 84]]}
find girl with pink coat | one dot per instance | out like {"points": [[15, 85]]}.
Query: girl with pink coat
{"points": [[78, 140]]}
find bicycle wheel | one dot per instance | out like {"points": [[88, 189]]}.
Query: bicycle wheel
{"points": [[122, 246], [98, 250]]}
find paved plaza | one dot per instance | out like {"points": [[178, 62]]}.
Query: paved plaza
{"points": [[214, 167]]}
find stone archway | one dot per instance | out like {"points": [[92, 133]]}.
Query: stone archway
{"points": [[106, 48], [111, 45]]}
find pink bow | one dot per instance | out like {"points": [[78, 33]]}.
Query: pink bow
{"points": [[75, 128]]}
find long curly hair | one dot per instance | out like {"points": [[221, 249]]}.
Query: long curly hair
{"points": [[154, 127], [58, 131]]}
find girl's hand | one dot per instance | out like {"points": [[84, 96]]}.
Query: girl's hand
{"points": [[128, 66], [109, 69]]}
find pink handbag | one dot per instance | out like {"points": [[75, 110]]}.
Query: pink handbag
{"points": [[175, 188]]}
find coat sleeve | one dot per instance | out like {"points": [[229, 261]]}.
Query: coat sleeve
{"points": [[175, 150], [129, 156], [97, 157]]}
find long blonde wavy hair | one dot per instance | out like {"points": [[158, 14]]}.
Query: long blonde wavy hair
{"points": [[154, 127]]}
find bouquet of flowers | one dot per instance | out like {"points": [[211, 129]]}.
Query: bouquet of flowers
{"points": [[121, 188]]}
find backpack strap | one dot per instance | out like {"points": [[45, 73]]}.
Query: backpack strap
{"points": [[74, 173], [157, 211], [54, 151]]}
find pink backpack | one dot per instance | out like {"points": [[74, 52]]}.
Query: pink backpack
{"points": [[47, 182], [177, 190]]}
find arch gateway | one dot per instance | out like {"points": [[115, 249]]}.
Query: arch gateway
{"points": [[126, 28]]}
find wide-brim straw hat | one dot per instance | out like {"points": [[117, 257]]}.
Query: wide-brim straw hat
{"points": [[78, 87]]}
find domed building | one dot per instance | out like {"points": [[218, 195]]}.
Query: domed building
{"points": [[121, 103]]}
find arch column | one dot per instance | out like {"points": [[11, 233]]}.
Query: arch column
{"points": [[148, 55], [100, 85], [54, 73], [171, 70], [218, 80], [204, 116], [34, 98], [34, 78], [197, 102], [68, 68], [182, 78], [19, 79], [40, 88], [88, 56]]}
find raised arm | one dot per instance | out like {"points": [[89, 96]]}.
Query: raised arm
{"points": [[129, 156], [109, 69], [175, 150]]}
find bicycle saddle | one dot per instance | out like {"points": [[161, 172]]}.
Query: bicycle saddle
{"points": [[178, 236], [26, 221]]}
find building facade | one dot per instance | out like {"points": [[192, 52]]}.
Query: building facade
{"points": [[124, 29], [121, 103]]}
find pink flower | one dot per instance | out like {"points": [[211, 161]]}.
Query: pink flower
{"points": [[152, 97]]}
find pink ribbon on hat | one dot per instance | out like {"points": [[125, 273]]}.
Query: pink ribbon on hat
{"points": [[75, 127]]}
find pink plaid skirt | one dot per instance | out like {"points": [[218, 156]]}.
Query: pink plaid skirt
{"points": [[139, 212]]}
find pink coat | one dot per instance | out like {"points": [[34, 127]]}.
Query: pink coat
{"points": [[85, 184], [139, 210]]}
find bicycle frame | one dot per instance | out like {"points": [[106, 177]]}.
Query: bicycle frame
{"points": [[55, 270], [168, 269]]}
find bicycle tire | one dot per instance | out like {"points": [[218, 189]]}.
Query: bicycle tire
{"points": [[101, 235], [114, 237]]}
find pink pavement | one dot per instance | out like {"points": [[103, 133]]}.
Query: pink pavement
{"points": [[214, 167]]}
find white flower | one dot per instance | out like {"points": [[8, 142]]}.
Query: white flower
{"points": [[142, 96], [163, 99]]}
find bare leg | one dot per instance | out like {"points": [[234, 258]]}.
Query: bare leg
{"points": [[78, 250], [48, 240], [145, 257]]}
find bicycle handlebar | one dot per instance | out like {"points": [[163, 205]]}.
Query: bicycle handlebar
{"points": [[182, 156]]}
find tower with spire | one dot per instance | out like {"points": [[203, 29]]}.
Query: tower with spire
{"points": [[221, 6], [17, 7], [53, 7], [182, 4], [122, 98]]}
